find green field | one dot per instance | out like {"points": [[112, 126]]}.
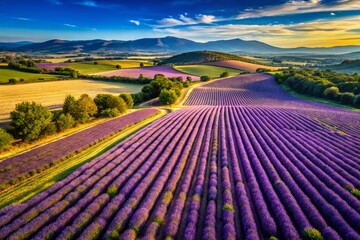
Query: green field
{"points": [[105, 65], [7, 73], [202, 70]]}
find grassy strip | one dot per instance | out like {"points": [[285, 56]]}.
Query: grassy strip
{"points": [[20, 178], [209, 70], [318, 100], [25, 147], [40, 182]]}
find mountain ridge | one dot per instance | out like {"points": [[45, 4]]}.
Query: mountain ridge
{"points": [[169, 44]]}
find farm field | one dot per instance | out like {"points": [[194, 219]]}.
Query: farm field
{"points": [[7, 73], [243, 160], [90, 67], [245, 66], [52, 94], [202, 70], [47, 155], [40, 182], [148, 72]]}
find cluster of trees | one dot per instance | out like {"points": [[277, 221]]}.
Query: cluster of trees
{"points": [[205, 78], [263, 70], [168, 90], [31, 121], [344, 88], [26, 66], [140, 80], [66, 71]]}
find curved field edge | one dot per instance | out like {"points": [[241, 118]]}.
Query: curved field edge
{"points": [[10, 179], [317, 100], [46, 140], [206, 69], [38, 183]]}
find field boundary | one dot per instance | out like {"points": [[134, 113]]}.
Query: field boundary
{"points": [[40, 182]]}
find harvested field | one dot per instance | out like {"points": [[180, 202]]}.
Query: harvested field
{"points": [[52, 94]]}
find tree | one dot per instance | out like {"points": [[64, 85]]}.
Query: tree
{"points": [[70, 105], [12, 81], [167, 97], [96, 63], [5, 139], [29, 120], [65, 121], [85, 109], [347, 98], [224, 74], [331, 93], [188, 78], [128, 100], [205, 78], [110, 112], [141, 64], [118, 66], [108, 101]]}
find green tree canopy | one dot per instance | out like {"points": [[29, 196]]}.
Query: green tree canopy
{"points": [[167, 97], [128, 100], [108, 101], [65, 121], [29, 120], [85, 109], [5, 139]]}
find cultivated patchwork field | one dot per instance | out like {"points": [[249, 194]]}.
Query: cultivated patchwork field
{"points": [[148, 72], [245, 66], [243, 160], [7, 73], [52, 94], [101, 66], [206, 70]]}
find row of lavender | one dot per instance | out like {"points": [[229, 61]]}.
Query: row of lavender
{"points": [[275, 174], [262, 90], [32, 161]]}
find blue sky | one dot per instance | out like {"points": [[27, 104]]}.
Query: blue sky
{"points": [[286, 23]]}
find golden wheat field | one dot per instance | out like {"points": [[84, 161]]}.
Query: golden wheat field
{"points": [[52, 94]]}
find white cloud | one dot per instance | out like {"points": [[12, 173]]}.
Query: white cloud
{"points": [[300, 6], [316, 33], [21, 18], [135, 22], [70, 25], [184, 19]]}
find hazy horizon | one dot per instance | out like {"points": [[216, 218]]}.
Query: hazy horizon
{"points": [[281, 23]]}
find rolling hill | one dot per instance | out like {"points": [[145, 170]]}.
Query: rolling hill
{"points": [[347, 66], [201, 57], [171, 45]]}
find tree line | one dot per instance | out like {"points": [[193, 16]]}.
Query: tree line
{"points": [[339, 87], [167, 89], [31, 121]]}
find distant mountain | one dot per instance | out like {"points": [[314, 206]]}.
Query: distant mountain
{"points": [[171, 45], [11, 45]]}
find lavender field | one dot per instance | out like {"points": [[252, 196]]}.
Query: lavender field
{"points": [[242, 160], [148, 72], [36, 160]]}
